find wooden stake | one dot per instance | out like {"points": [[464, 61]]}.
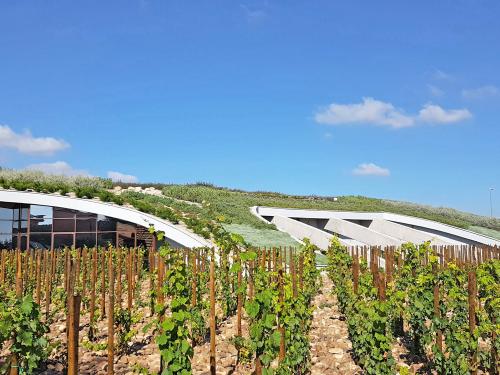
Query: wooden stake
{"points": [[111, 313], [103, 283], [472, 315], [74, 330], [437, 311], [212, 314], [93, 279]]}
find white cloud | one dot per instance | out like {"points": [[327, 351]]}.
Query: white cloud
{"points": [[434, 114], [370, 169], [480, 92], [121, 177], [435, 91], [443, 76], [26, 143], [375, 112], [370, 111], [58, 168]]}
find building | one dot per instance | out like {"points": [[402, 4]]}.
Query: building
{"points": [[36, 220], [366, 228]]}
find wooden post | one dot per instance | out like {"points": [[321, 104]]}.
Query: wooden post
{"points": [[48, 283], [472, 315], [129, 280], [84, 272], [111, 313], [193, 281], [437, 310], [212, 314], [103, 283], [281, 328], [38, 272], [381, 286], [74, 329], [93, 279], [250, 279], [240, 298], [301, 272], [119, 277], [355, 273], [19, 275], [159, 286], [294, 275]]}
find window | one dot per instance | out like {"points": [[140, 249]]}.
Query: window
{"points": [[6, 241], [106, 239], [40, 224], [63, 240], [40, 240], [23, 242], [105, 224], [6, 226], [64, 225], [41, 212], [85, 239], [6, 213], [85, 225], [63, 213]]}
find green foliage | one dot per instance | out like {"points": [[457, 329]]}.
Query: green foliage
{"points": [[174, 339], [20, 323], [368, 319]]}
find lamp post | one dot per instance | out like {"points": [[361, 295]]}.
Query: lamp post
{"points": [[491, 203]]}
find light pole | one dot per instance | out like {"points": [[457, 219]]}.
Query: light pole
{"points": [[491, 203]]}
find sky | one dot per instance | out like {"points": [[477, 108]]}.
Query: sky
{"points": [[388, 99]]}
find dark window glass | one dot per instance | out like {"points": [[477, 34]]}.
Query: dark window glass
{"points": [[64, 225], [23, 242], [21, 213], [85, 225], [105, 224], [40, 240], [6, 214], [105, 239], [124, 240], [41, 212], [19, 227], [63, 213], [85, 215], [40, 224], [6, 226], [6, 241], [63, 240], [85, 239]]}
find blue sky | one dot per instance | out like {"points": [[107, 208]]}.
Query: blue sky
{"points": [[391, 99]]}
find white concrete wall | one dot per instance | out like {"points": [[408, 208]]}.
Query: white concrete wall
{"points": [[406, 234], [360, 233]]}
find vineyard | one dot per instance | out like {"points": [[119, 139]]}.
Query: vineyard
{"points": [[241, 310]]}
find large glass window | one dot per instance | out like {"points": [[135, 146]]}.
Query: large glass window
{"points": [[63, 240], [64, 225], [48, 227], [6, 213], [106, 239], [40, 240], [85, 239], [63, 213], [41, 212], [6, 241], [40, 224], [85, 225], [105, 224]]}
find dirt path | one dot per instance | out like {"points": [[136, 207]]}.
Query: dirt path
{"points": [[330, 344]]}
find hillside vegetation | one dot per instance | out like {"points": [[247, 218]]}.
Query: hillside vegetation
{"points": [[234, 206], [231, 206]]}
